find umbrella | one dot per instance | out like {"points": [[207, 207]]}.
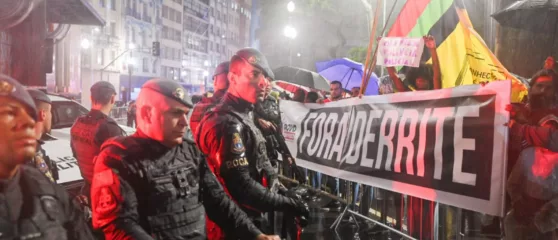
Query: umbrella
{"points": [[301, 77], [531, 15], [348, 72]]}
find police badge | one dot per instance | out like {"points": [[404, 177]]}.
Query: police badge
{"points": [[179, 93], [6, 88], [237, 146], [253, 59]]}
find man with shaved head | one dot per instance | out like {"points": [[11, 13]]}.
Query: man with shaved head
{"points": [[235, 147], [156, 184]]}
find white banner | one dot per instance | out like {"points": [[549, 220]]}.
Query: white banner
{"points": [[444, 145], [398, 51]]}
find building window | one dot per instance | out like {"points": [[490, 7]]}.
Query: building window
{"points": [[145, 65], [100, 56], [112, 57], [165, 11], [102, 3], [113, 29], [171, 14], [143, 38], [113, 5], [154, 69], [133, 35]]}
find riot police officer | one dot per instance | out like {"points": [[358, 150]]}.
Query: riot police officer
{"points": [[31, 206], [156, 184], [43, 127], [221, 84], [236, 148], [89, 132]]}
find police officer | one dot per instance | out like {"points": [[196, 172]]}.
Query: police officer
{"points": [[236, 148], [156, 184], [31, 206], [220, 84], [90, 131], [43, 127]]}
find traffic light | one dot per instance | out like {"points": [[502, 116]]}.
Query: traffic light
{"points": [[156, 49]]}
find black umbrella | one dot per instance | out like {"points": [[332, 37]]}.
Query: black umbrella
{"points": [[302, 77], [532, 15]]}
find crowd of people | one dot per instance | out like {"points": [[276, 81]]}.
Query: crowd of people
{"points": [[208, 168]]}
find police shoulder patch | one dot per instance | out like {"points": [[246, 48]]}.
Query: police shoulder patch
{"points": [[106, 202], [237, 145]]}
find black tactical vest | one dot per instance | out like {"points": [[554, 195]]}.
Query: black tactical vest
{"points": [[255, 145], [83, 144], [167, 187], [42, 215]]}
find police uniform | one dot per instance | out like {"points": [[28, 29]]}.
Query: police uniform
{"points": [[90, 131], [208, 102], [31, 206], [236, 152], [144, 190], [268, 110], [41, 160]]}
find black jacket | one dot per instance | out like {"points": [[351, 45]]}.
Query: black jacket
{"points": [[143, 190], [88, 133], [32, 205], [237, 155]]}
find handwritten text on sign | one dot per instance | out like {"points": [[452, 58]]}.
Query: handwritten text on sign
{"points": [[400, 51]]}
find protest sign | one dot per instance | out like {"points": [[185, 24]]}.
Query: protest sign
{"points": [[445, 145], [399, 51]]}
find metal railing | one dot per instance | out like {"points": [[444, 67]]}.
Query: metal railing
{"points": [[419, 219]]}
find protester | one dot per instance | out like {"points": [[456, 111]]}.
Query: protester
{"points": [[33, 207], [156, 184], [131, 114], [90, 131], [425, 77], [236, 148], [43, 127], [221, 84], [532, 192], [336, 92], [312, 97], [299, 95], [355, 91]]}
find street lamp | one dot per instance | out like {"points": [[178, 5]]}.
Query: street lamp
{"points": [[291, 6], [131, 62], [85, 43], [291, 33]]}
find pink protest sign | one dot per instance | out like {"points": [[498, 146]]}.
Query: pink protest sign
{"points": [[397, 51]]}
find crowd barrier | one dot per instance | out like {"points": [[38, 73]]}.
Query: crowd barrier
{"points": [[377, 206]]}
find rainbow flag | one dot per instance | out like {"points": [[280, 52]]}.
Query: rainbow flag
{"points": [[463, 54]]}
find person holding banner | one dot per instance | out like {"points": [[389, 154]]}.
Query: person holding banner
{"points": [[235, 147], [425, 77], [532, 184]]}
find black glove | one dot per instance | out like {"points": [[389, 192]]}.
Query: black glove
{"points": [[301, 208]]}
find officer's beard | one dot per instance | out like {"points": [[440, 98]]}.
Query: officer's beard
{"points": [[539, 101]]}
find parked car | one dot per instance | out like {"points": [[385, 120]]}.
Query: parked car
{"points": [[64, 113]]}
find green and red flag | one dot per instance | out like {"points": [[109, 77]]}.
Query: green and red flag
{"points": [[463, 54]]}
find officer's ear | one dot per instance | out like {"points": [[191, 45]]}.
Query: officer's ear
{"points": [[146, 113], [41, 116], [232, 77], [113, 99]]}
